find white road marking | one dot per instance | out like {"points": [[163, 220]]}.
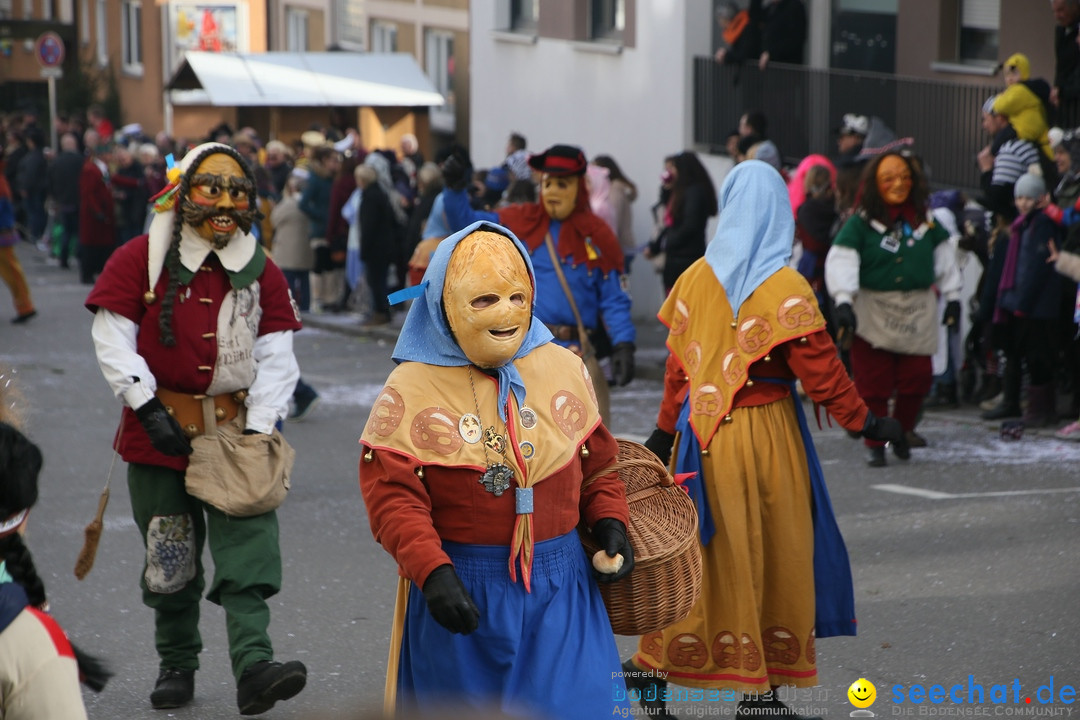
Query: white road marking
{"points": [[936, 495]]}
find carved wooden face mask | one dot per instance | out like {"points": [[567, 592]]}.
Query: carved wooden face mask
{"points": [[488, 298], [218, 203], [559, 194], [894, 180]]}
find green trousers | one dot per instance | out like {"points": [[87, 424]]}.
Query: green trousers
{"points": [[247, 569]]}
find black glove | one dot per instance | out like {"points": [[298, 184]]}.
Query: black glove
{"points": [[453, 171], [952, 313], [622, 363], [448, 601], [845, 318], [610, 535], [660, 443], [884, 429], [165, 433]]}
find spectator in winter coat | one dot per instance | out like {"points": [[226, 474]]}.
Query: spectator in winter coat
{"points": [[97, 210], [64, 175], [1027, 307]]}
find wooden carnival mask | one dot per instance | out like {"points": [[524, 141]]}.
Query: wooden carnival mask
{"points": [[488, 296], [219, 200], [894, 180], [559, 194]]}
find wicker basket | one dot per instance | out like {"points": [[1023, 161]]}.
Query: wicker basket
{"points": [[666, 580]]}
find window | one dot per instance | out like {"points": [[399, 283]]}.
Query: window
{"points": [[102, 34], [608, 19], [28, 9], [350, 24], [383, 37], [439, 64], [6, 10], [524, 14], [979, 24], [47, 10], [84, 22], [296, 28], [131, 29]]}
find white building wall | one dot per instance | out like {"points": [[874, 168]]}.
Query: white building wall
{"points": [[634, 105]]}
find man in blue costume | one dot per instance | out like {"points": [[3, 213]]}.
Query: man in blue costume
{"points": [[588, 254]]}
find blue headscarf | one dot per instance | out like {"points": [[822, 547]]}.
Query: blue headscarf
{"points": [[425, 337], [756, 230]]}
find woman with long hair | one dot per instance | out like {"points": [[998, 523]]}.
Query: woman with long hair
{"points": [[691, 204]]}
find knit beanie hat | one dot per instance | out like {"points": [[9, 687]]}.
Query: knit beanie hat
{"points": [[1020, 63], [1030, 185]]}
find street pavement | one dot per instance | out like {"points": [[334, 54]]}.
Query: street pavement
{"points": [[964, 557]]}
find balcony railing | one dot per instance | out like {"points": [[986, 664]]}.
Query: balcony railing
{"points": [[804, 106]]}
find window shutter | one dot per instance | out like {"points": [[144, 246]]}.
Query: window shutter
{"points": [[981, 14]]}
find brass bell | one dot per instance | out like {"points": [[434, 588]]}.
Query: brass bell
{"points": [[728, 418], [420, 473], [803, 340], [149, 297], [767, 358], [734, 324], [584, 451], [169, 409], [749, 383], [369, 455], [240, 396], [191, 430], [705, 452], [219, 413]]}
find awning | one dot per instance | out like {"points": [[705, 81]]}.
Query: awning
{"points": [[306, 79]]}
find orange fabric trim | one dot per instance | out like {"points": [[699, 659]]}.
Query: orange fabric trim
{"points": [[716, 349], [736, 26]]}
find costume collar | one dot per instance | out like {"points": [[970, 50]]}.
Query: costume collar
{"points": [[242, 258]]}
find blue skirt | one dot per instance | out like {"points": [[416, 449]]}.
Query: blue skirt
{"points": [[549, 654]]}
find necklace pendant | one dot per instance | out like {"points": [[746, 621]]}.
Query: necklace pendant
{"points": [[496, 479], [494, 440], [470, 429]]}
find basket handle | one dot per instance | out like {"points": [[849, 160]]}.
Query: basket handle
{"points": [[620, 465]]}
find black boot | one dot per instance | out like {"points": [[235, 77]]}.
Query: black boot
{"points": [[901, 449], [173, 689], [266, 682], [1010, 388], [651, 689], [876, 457]]}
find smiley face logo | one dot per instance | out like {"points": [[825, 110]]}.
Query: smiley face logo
{"points": [[862, 693]]}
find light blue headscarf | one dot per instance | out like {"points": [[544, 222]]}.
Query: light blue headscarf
{"points": [[425, 337], [756, 230]]}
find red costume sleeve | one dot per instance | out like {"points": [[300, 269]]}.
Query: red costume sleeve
{"points": [[123, 282], [824, 378], [399, 511], [676, 385], [278, 308], [606, 496]]}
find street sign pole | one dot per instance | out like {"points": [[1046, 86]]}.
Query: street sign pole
{"points": [[49, 50], [52, 114]]}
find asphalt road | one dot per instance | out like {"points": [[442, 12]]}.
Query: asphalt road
{"points": [[965, 558]]}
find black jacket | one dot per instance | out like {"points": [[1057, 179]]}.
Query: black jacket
{"points": [[783, 29], [64, 179]]}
